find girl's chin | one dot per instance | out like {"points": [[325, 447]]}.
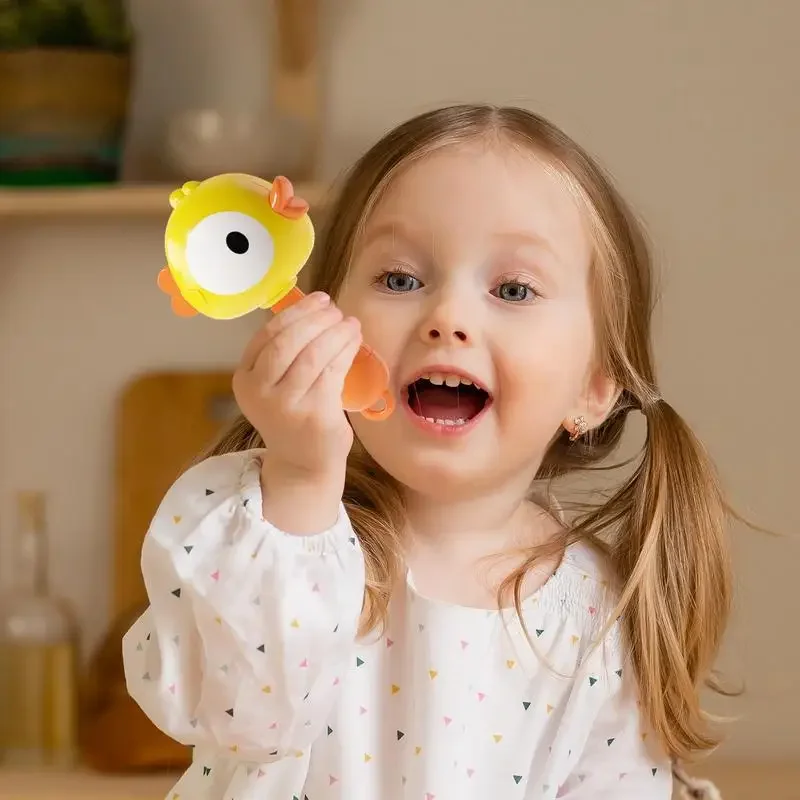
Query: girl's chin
{"points": [[440, 476]]}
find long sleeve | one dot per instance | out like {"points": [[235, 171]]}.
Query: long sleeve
{"points": [[249, 629]]}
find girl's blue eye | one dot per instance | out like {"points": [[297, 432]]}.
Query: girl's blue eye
{"points": [[401, 282], [514, 292]]}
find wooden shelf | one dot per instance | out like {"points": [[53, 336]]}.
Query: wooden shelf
{"points": [[82, 785], [114, 200], [295, 91]]}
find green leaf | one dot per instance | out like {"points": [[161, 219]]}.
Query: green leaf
{"points": [[92, 24]]}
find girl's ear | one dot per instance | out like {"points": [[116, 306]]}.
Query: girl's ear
{"points": [[599, 397]]}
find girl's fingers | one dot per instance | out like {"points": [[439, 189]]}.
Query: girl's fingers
{"points": [[317, 357], [312, 304], [280, 352], [331, 379]]}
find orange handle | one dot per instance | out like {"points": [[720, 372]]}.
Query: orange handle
{"points": [[366, 385]]}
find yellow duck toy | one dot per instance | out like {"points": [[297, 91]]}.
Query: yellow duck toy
{"points": [[236, 243]]}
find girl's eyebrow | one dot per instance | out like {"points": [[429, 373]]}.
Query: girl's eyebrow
{"points": [[395, 230], [528, 238]]}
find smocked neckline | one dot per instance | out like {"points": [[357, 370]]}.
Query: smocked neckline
{"points": [[551, 589]]}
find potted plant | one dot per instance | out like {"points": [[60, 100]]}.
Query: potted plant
{"points": [[64, 89]]}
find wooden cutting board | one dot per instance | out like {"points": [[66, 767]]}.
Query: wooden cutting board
{"points": [[164, 421]]}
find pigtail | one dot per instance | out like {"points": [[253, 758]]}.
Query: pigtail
{"points": [[374, 503], [673, 559]]}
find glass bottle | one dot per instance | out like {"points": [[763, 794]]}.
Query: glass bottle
{"points": [[38, 654]]}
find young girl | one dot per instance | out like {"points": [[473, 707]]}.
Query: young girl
{"points": [[343, 608]]}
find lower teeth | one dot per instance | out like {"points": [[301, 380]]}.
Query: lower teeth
{"points": [[446, 421]]}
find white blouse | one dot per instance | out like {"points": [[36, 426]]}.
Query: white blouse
{"points": [[248, 653]]}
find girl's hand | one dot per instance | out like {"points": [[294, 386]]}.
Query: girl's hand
{"points": [[289, 386]]}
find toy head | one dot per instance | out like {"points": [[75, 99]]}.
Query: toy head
{"points": [[235, 243]]}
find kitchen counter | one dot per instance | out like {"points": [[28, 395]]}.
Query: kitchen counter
{"points": [[82, 785]]}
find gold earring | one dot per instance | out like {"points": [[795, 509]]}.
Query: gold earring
{"points": [[579, 428]]}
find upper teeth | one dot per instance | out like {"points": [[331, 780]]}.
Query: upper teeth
{"points": [[438, 378]]}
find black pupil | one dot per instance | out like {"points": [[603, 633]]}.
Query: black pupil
{"points": [[237, 243], [514, 291], [398, 282]]}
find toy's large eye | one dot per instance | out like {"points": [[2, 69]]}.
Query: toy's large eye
{"points": [[229, 252]]}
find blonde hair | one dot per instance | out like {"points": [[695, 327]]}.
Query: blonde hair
{"points": [[664, 527]]}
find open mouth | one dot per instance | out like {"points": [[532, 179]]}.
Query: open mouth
{"points": [[447, 399]]}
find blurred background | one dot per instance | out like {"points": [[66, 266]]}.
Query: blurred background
{"points": [[105, 395]]}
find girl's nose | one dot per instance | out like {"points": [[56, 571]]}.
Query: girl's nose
{"points": [[448, 321], [444, 335]]}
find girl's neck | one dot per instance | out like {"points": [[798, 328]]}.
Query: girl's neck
{"points": [[495, 520], [460, 550]]}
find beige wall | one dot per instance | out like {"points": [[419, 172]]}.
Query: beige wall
{"points": [[693, 106]]}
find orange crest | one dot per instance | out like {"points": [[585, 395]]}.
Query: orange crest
{"points": [[283, 201]]}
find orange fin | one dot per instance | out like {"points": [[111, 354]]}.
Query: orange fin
{"points": [[366, 386], [181, 308], [283, 200], [166, 282], [167, 285]]}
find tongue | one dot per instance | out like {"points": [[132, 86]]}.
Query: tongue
{"points": [[439, 402]]}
